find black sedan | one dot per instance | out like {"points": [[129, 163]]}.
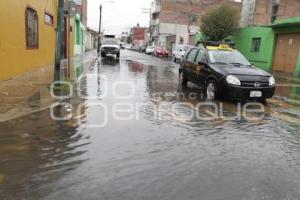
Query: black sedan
{"points": [[224, 72]]}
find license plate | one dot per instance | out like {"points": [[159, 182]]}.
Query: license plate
{"points": [[255, 94]]}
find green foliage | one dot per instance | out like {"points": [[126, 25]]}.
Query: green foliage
{"points": [[220, 22]]}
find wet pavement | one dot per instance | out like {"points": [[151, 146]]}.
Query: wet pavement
{"points": [[130, 144]]}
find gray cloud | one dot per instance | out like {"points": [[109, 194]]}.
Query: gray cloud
{"points": [[118, 16]]}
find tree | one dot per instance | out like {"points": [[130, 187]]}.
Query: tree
{"points": [[220, 23]]}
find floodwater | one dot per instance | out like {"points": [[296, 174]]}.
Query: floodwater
{"points": [[134, 135]]}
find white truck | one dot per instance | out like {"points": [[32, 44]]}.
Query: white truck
{"points": [[110, 45]]}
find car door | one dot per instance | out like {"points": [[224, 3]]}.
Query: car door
{"points": [[190, 64], [201, 71]]}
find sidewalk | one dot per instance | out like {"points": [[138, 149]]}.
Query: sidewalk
{"points": [[29, 92]]}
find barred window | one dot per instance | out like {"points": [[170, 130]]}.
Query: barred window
{"points": [[49, 19], [256, 42], [32, 32]]}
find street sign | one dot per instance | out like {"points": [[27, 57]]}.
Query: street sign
{"points": [[70, 9]]}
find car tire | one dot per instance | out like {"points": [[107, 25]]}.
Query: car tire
{"points": [[118, 55], [182, 79], [103, 55], [211, 90]]}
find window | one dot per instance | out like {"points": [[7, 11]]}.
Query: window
{"points": [[49, 19], [32, 32], [191, 56], [228, 57], [256, 44], [201, 56]]}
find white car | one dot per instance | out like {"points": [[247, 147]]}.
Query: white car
{"points": [[180, 51], [150, 50]]}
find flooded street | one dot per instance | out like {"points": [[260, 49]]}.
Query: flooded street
{"points": [[124, 142]]}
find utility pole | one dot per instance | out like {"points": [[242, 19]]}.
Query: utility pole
{"points": [[100, 24], [148, 11], [59, 39]]}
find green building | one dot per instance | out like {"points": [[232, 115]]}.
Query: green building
{"points": [[79, 37], [275, 47]]}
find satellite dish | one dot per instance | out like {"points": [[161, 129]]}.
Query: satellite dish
{"points": [[70, 9]]}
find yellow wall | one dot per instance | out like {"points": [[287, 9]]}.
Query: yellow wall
{"points": [[14, 57]]}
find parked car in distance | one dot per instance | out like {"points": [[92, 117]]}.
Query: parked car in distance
{"points": [[225, 73], [150, 50], [142, 49], [180, 51], [161, 52]]}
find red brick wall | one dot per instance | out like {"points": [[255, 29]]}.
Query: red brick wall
{"points": [[288, 8], [183, 8], [84, 12], [263, 12], [138, 33]]}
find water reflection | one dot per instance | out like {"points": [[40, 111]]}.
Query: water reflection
{"points": [[154, 156], [35, 151]]}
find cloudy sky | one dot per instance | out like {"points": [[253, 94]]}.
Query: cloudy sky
{"points": [[118, 16]]}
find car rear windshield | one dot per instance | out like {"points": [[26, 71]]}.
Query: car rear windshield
{"points": [[228, 57]]}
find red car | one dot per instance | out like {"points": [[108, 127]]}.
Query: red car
{"points": [[161, 52]]}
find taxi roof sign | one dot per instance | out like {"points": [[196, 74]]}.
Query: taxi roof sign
{"points": [[224, 47], [220, 47]]}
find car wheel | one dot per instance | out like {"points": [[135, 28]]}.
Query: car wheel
{"points": [[182, 79], [211, 90], [103, 55], [118, 55]]}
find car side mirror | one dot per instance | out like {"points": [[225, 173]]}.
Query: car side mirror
{"points": [[202, 63]]}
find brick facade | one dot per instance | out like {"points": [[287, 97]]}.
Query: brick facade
{"points": [[288, 9], [84, 12], [189, 12], [264, 12], [138, 33], [177, 21]]}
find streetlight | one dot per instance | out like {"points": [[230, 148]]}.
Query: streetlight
{"points": [[100, 24]]}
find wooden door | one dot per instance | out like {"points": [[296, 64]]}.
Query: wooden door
{"points": [[286, 53]]}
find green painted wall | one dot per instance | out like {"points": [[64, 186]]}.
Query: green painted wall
{"points": [[297, 73], [243, 39]]}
